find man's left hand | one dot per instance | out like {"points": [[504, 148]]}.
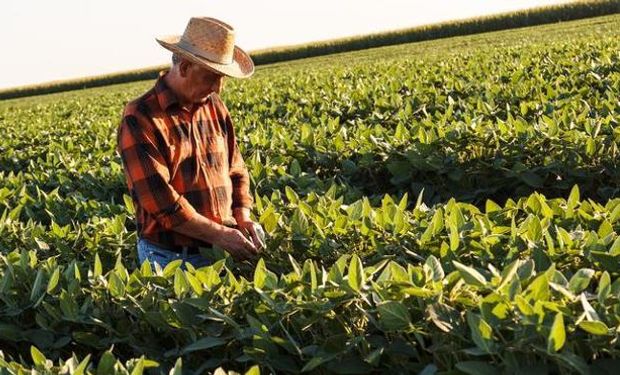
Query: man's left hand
{"points": [[249, 228]]}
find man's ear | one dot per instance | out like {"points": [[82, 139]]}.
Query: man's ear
{"points": [[184, 66]]}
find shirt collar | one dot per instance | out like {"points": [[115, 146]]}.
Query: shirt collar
{"points": [[165, 96]]}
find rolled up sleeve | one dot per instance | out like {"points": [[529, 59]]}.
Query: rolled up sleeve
{"points": [[239, 175], [148, 175]]}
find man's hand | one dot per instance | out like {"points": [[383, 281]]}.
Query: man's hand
{"points": [[231, 240], [249, 228], [235, 243]]}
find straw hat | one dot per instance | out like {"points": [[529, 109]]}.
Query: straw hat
{"points": [[211, 43]]}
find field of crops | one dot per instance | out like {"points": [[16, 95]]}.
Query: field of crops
{"points": [[443, 207]]}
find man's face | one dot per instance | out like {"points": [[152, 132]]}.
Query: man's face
{"points": [[201, 82]]}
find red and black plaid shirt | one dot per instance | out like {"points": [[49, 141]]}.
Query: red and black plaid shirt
{"points": [[179, 162]]}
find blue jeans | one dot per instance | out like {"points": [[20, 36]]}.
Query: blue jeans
{"points": [[153, 253]]}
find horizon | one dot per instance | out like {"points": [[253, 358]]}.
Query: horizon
{"points": [[110, 49]]}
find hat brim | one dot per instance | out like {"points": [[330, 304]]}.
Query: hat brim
{"points": [[242, 65]]}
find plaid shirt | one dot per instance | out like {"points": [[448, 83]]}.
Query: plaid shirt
{"points": [[179, 162]]}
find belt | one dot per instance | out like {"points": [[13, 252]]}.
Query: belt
{"points": [[177, 248]]}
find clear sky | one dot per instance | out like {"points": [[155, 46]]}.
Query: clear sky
{"points": [[46, 40]]}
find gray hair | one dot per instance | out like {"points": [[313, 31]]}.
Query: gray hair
{"points": [[176, 58]]}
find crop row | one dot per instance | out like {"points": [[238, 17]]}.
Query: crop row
{"points": [[448, 285], [470, 126]]}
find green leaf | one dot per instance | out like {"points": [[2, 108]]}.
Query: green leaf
{"points": [[374, 356], [254, 370], [470, 275], [454, 236], [356, 274], [309, 272], [82, 366], [98, 269], [573, 198], [576, 362], [509, 273], [172, 267], [204, 343], [194, 283], [615, 247], [532, 179], [181, 286], [605, 229], [402, 205], [604, 287], [106, 364], [51, 285], [615, 214], [178, 368], [477, 368], [260, 274], [580, 280], [129, 204], [316, 361], [435, 266], [595, 327], [534, 229], [538, 290], [393, 316], [430, 369], [481, 332], [491, 206], [37, 357], [291, 194], [36, 286], [139, 368], [557, 335], [116, 285], [269, 220]]}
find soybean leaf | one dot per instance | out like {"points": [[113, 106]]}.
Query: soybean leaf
{"points": [[557, 335], [470, 275], [477, 368], [37, 357], [580, 280], [106, 364], [356, 273], [116, 285], [394, 316], [177, 369], [204, 343], [594, 327], [51, 285], [435, 266]]}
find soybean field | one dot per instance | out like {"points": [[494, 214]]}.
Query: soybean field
{"points": [[441, 207]]}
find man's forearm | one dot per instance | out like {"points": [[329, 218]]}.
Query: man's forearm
{"points": [[201, 228], [241, 214]]}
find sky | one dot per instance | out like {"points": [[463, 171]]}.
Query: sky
{"points": [[62, 39]]}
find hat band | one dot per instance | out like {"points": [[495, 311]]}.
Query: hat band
{"points": [[205, 54]]}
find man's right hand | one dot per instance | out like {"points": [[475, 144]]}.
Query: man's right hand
{"points": [[229, 239], [235, 243]]}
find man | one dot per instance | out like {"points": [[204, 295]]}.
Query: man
{"points": [[183, 168]]}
